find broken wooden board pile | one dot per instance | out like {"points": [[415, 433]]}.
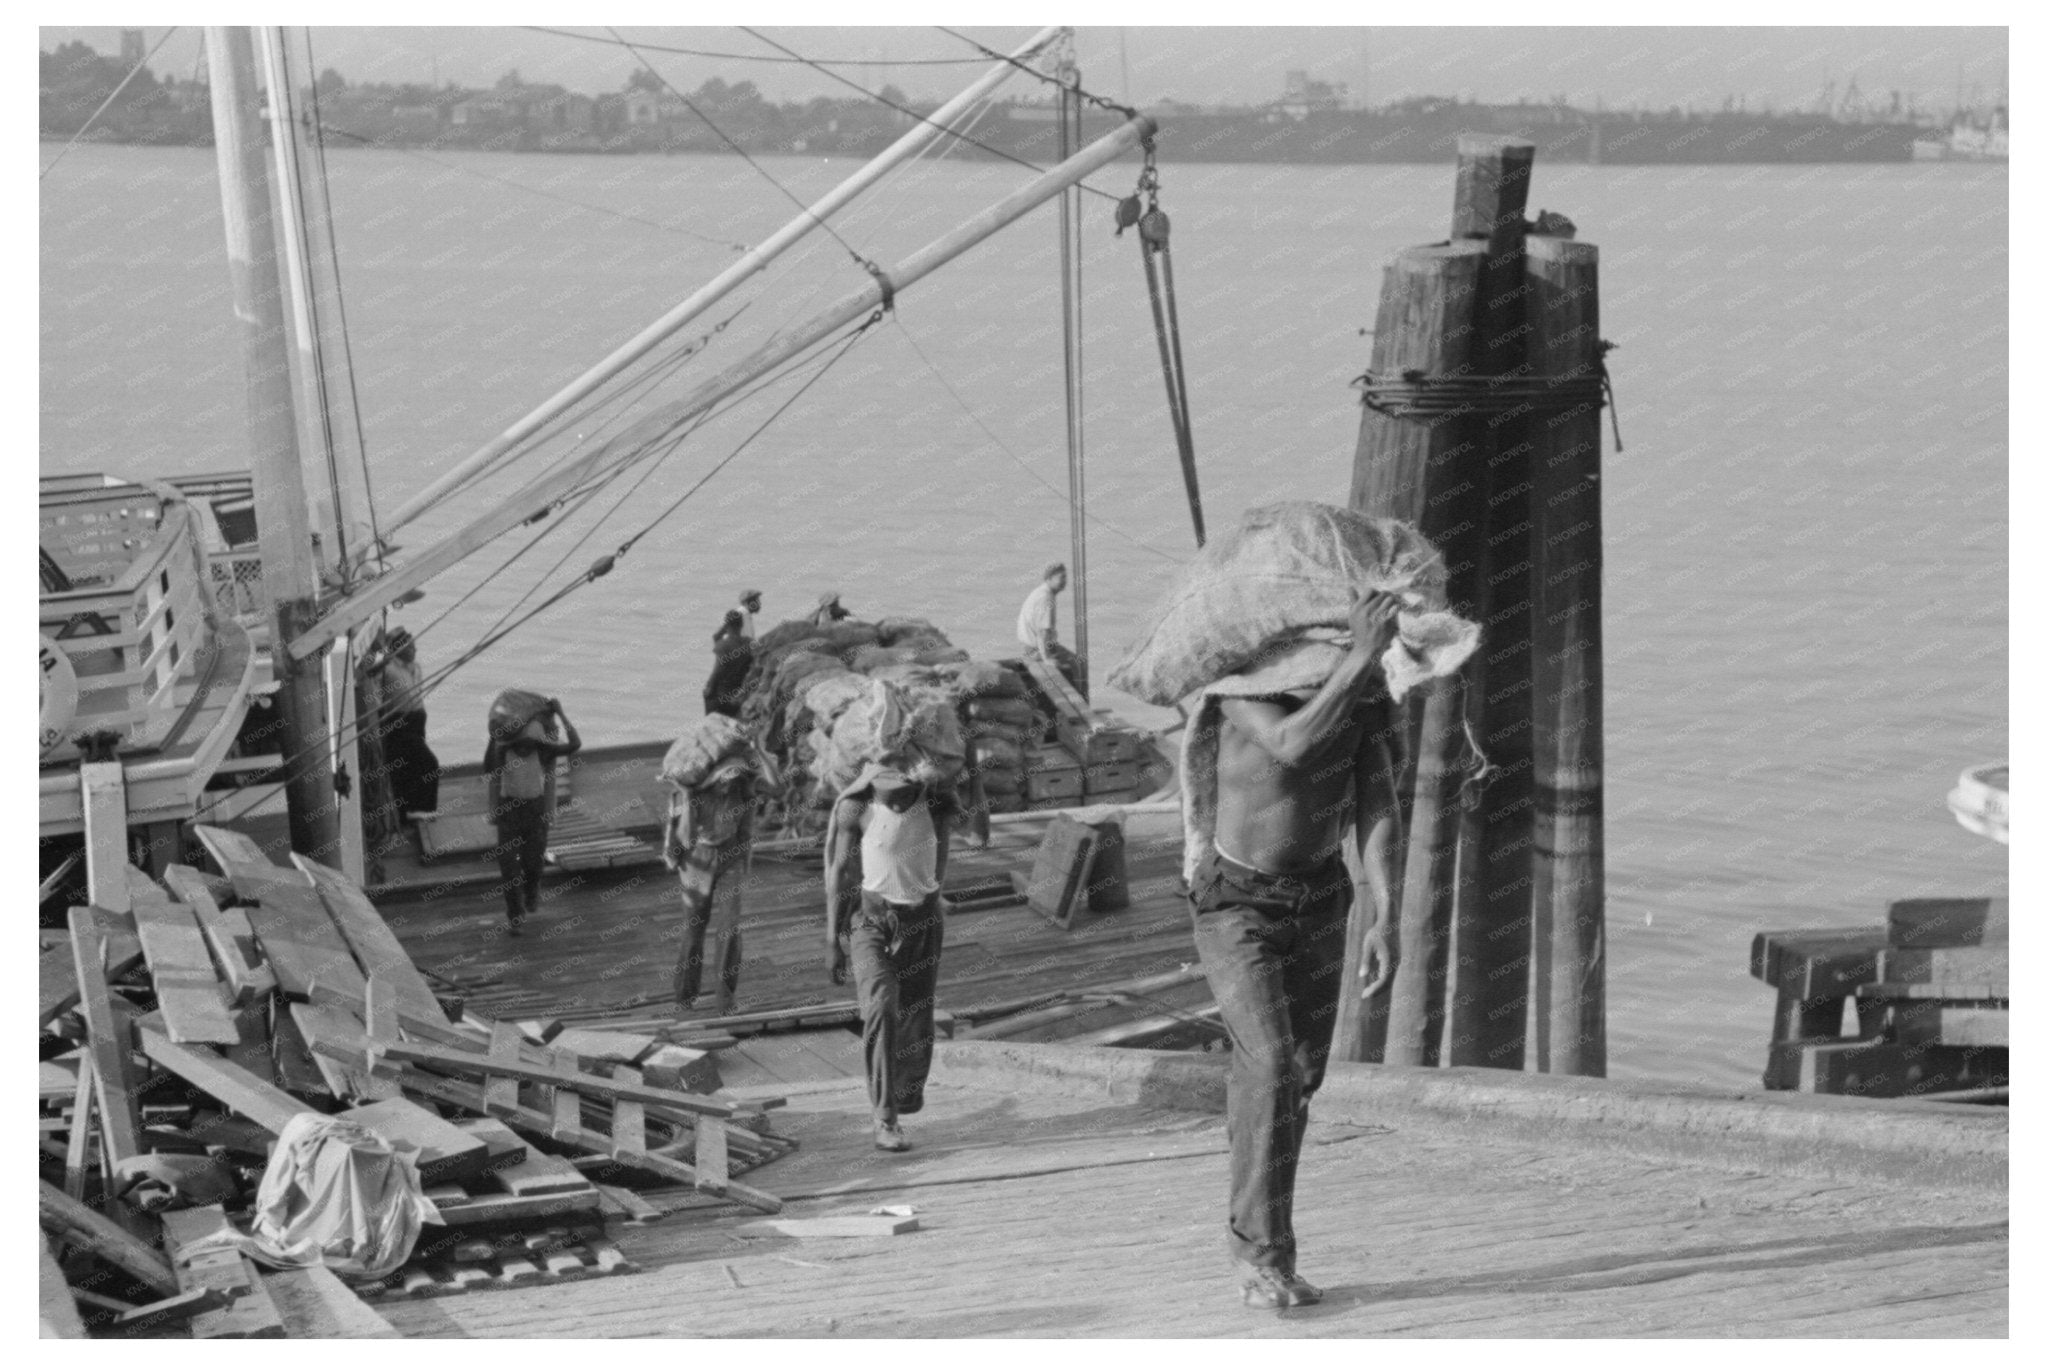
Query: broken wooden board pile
{"points": [[182, 1036], [1932, 990]]}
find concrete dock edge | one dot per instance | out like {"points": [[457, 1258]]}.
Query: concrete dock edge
{"points": [[1920, 1142]]}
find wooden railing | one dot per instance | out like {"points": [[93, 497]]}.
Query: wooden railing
{"points": [[130, 640]]}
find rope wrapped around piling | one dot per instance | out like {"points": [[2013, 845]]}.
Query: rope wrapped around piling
{"points": [[1413, 395]]}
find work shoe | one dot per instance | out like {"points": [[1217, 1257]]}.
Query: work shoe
{"points": [[1268, 1286], [889, 1136], [515, 931]]}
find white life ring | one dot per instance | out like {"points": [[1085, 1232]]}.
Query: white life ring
{"points": [[59, 691]]}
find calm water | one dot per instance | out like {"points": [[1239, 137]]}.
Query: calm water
{"points": [[1806, 593]]}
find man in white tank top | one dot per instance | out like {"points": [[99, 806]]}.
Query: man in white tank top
{"points": [[885, 862]]}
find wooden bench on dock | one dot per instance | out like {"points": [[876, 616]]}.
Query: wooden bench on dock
{"points": [[1932, 994]]}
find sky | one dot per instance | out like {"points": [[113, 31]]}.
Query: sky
{"points": [[1656, 68]]}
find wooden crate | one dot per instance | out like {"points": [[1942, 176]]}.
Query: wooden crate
{"points": [[1050, 758], [1054, 784], [1109, 777]]}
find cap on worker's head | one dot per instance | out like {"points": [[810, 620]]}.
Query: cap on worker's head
{"points": [[749, 594], [1052, 569], [399, 638]]}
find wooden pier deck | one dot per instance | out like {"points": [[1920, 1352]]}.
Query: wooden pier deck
{"points": [[609, 939], [1064, 1215]]}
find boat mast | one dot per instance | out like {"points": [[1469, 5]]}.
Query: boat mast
{"points": [[572, 473], [1068, 86], [909, 145], [284, 530]]}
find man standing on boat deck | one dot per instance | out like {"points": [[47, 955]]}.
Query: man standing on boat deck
{"points": [[521, 772], [415, 773], [885, 861], [1304, 806], [829, 611], [732, 655], [1038, 625], [750, 607]]}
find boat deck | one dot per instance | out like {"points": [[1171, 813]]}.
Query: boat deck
{"points": [[1057, 1215], [608, 940]]}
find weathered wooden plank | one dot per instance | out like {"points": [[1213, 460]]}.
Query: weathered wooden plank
{"points": [[713, 1166], [297, 1069], [107, 1038], [1877, 1069], [376, 948], [501, 1091], [1939, 1023], [181, 971], [1987, 968], [319, 1025], [56, 1310], [629, 1117], [1817, 963], [501, 1208], [302, 944], [665, 1064], [540, 1173], [77, 1148], [445, 1152], [856, 1225], [598, 1086], [57, 988], [314, 1303], [103, 796], [65, 1217], [1948, 922], [250, 1311], [230, 1084], [228, 933], [628, 1205], [245, 864], [470, 1096]]}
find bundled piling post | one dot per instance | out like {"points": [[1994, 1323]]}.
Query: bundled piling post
{"points": [[1490, 923], [1569, 871], [1413, 470]]}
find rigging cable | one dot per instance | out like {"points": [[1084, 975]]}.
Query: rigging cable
{"points": [[912, 113], [758, 168], [758, 57], [65, 150], [739, 247], [1017, 459], [1099, 101], [348, 357]]}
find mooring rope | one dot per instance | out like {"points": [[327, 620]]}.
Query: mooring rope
{"points": [[1413, 395]]}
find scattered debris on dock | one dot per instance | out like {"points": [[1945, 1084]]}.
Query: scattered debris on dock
{"points": [[183, 1035]]}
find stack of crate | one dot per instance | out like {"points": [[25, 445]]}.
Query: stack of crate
{"points": [[1096, 759], [1932, 994]]}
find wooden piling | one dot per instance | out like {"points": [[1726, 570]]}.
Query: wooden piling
{"points": [[1413, 471], [1569, 865], [1491, 914]]}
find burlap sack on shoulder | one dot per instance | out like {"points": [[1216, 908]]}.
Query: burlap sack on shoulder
{"points": [[1285, 568]]}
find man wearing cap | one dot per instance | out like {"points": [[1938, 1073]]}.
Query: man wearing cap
{"points": [[1038, 626], [410, 766], [885, 862], [829, 610], [750, 607], [712, 824]]}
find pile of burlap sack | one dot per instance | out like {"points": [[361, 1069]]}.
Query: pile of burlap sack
{"points": [[823, 701]]}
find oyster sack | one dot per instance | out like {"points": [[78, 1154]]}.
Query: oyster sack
{"points": [[1286, 568]]}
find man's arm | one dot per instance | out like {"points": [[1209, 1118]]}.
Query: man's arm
{"points": [[1290, 737], [573, 742], [942, 825], [838, 867], [1368, 848]]}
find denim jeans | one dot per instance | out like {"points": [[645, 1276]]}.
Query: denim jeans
{"points": [[895, 950], [1273, 948], [711, 876], [522, 853]]}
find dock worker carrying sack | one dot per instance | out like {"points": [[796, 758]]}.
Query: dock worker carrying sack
{"points": [[1266, 609], [702, 748]]}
